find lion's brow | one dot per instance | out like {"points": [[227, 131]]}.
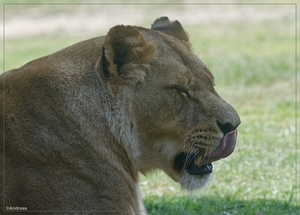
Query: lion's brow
{"points": [[207, 71]]}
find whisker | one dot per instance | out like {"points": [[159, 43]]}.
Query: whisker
{"points": [[196, 147], [182, 145], [191, 154], [184, 142], [188, 159]]}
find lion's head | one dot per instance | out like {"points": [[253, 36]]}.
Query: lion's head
{"points": [[85, 120], [170, 118]]}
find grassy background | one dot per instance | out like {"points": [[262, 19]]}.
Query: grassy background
{"points": [[254, 65]]}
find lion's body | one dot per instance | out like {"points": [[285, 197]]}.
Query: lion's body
{"points": [[78, 126], [53, 118]]}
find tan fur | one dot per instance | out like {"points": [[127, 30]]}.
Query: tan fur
{"points": [[78, 125]]}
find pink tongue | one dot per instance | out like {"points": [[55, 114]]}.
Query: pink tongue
{"points": [[225, 148]]}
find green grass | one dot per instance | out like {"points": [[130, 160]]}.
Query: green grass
{"points": [[212, 205], [20, 51], [254, 69]]}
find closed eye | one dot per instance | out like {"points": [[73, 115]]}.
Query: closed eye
{"points": [[182, 91]]}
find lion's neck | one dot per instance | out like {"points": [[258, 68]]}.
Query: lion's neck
{"points": [[107, 127], [122, 126]]}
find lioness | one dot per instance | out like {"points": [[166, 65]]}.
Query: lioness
{"points": [[78, 125]]}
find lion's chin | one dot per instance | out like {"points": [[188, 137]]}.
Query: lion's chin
{"points": [[193, 182], [189, 174]]}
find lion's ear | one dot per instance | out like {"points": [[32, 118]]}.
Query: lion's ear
{"points": [[127, 55], [174, 29]]}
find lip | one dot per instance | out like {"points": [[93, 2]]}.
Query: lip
{"points": [[184, 162], [202, 170]]}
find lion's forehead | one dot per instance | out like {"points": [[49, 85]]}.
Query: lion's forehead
{"points": [[182, 66], [189, 72]]}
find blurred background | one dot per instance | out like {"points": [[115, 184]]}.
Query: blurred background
{"points": [[250, 48]]}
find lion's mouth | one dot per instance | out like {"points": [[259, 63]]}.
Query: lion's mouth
{"points": [[191, 163]]}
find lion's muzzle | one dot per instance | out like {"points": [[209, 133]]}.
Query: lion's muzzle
{"points": [[190, 163]]}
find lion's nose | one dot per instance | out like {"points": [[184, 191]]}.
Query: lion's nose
{"points": [[226, 118], [227, 127]]}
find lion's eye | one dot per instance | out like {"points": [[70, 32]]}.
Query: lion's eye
{"points": [[182, 91]]}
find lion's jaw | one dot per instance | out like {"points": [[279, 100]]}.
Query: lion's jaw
{"points": [[188, 161]]}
